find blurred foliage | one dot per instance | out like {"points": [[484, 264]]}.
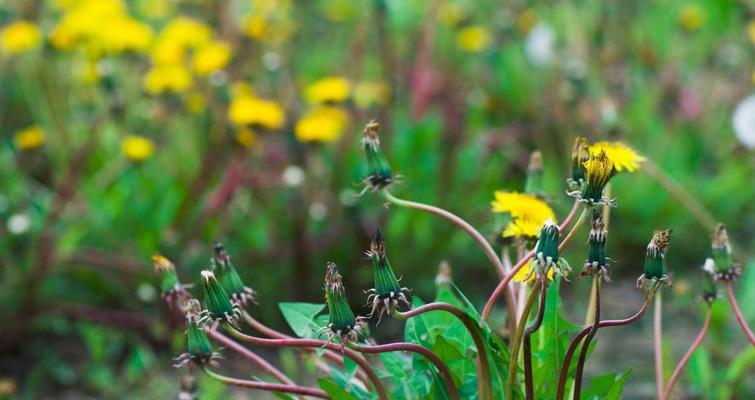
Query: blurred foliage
{"points": [[464, 91]]}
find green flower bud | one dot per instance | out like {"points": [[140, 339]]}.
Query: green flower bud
{"points": [[229, 277], [199, 350], [596, 256], [579, 155], [534, 184], [710, 292], [219, 306], [379, 174], [387, 293], [725, 267], [170, 288], [546, 252], [342, 323], [654, 269]]}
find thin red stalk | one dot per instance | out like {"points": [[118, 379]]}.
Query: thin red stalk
{"points": [[253, 357], [575, 342], [658, 345], [453, 391], [516, 343], [312, 343], [485, 383], [683, 362], [503, 284], [527, 345], [738, 314], [270, 387], [586, 344]]}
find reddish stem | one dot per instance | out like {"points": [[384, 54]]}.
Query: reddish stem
{"points": [[687, 355], [586, 344], [738, 314], [220, 338], [453, 391], [271, 387], [658, 345], [527, 346]]}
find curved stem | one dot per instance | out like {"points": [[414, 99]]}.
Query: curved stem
{"points": [[569, 236], [227, 342], [453, 391], [738, 314], [687, 355], [658, 345], [313, 343], [270, 387], [523, 261], [527, 345], [515, 343], [577, 339], [485, 383], [588, 339]]}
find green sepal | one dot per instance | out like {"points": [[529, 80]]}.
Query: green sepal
{"points": [[547, 245], [216, 298], [198, 344]]}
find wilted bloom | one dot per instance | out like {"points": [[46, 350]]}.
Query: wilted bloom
{"points": [[534, 183], [19, 36], [341, 321], [29, 139], [726, 269], [623, 157], [137, 148], [596, 256], [473, 39], [379, 174], [330, 90], [387, 293], [167, 78], [246, 109], [219, 305], [546, 253], [710, 292], [198, 347], [210, 58], [654, 269], [229, 278], [598, 170], [528, 213], [323, 124], [579, 155], [170, 288]]}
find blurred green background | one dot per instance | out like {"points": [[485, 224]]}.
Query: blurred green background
{"points": [[132, 127]]}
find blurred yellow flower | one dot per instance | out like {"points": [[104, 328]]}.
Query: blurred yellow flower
{"points": [[691, 17], [332, 89], [623, 157], [211, 58], [187, 32], [126, 34], [522, 273], [137, 148], [473, 39], [196, 103], [451, 14], [270, 21], [246, 109], [528, 213], [245, 138], [167, 78], [367, 94], [19, 36], [29, 138], [751, 31], [323, 124], [165, 51]]}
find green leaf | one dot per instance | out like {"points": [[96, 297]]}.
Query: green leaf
{"points": [[301, 317], [334, 391], [700, 372], [607, 386]]}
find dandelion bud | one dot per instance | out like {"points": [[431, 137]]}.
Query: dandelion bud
{"points": [[725, 268], [710, 292], [219, 306], [596, 256], [170, 288], [654, 269], [229, 277], [199, 350], [546, 252], [387, 293], [534, 184], [598, 170], [379, 174], [579, 155], [342, 323]]}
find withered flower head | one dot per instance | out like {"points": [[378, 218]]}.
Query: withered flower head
{"points": [[387, 294], [170, 288], [596, 256], [654, 269], [379, 173], [219, 305], [229, 278], [199, 349], [725, 267], [342, 323], [579, 155]]}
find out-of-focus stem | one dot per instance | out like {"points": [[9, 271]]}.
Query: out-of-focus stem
{"points": [[253, 357], [586, 343], [738, 314], [270, 387], [485, 382], [569, 236], [516, 342], [683, 362], [453, 391], [658, 344], [527, 345]]}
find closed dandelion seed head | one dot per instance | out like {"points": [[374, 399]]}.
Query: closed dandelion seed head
{"points": [[546, 253], [387, 295], [220, 308], [579, 155], [596, 256], [654, 269], [342, 323], [199, 349], [709, 290], [229, 278], [725, 267], [170, 288], [379, 173]]}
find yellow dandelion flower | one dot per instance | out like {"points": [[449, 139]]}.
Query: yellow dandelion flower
{"points": [[125, 34], [367, 94], [451, 14], [211, 58], [187, 32], [245, 138], [623, 157], [524, 271], [165, 51], [167, 78], [473, 39], [751, 31], [196, 103], [29, 138], [692, 17], [323, 124], [332, 89], [137, 148], [528, 213], [249, 110], [19, 36]]}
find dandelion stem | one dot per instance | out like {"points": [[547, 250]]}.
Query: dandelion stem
{"points": [[738, 314], [586, 343], [270, 387], [527, 343], [485, 383], [515, 343], [658, 344], [453, 391], [253, 357], [569, 236], [683, 362]]}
